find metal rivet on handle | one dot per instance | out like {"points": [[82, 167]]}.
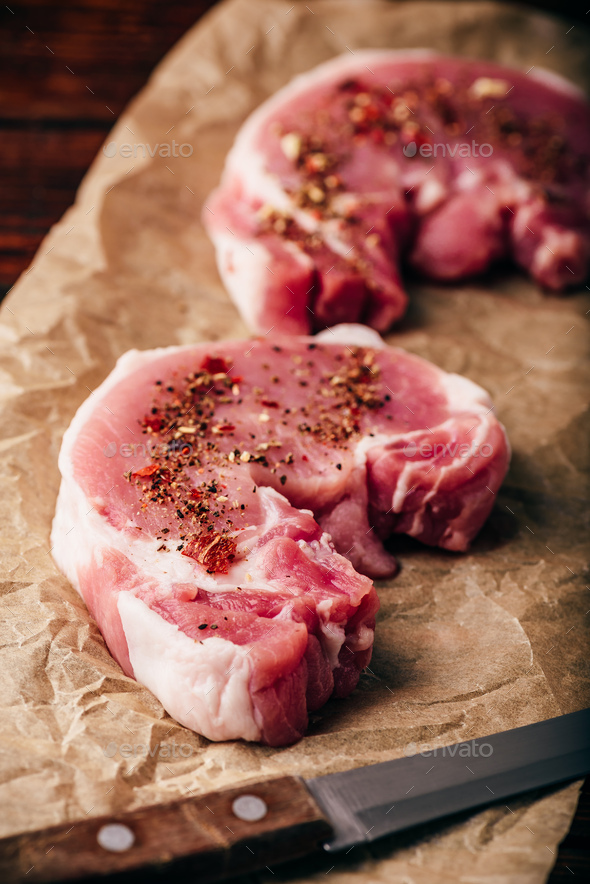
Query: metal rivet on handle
{"points": [[115, 837], [250, 808]]}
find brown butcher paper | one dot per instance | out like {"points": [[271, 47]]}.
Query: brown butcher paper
{"points": [[466, 644]]}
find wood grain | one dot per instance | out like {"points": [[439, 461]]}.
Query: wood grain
{"points": [[66, 73], [191, 835]]}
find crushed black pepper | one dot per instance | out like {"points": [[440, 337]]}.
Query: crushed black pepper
{"points": [[189, 441], [363, 111]]}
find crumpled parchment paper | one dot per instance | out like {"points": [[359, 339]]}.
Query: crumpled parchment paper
{"points": [[466, 645]]}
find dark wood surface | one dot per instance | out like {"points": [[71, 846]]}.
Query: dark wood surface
{"points": [[67, 70]]}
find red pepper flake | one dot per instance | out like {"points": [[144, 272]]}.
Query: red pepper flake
{"points": [[214, 552], [224, 428], [144, 472], [214, 365], [269, 403], [154, 423]]}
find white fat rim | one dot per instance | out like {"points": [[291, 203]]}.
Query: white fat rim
{"points": [[203, 685], [351, 333]]}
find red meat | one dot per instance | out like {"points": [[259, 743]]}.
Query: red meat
{"points": [[199, 485], [381, 156]]}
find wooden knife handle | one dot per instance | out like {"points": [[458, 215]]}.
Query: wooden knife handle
{"points": [[217, 835]]}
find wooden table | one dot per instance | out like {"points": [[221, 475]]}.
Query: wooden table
{"points": [[67, 70]]}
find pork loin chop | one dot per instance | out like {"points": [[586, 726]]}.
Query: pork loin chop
{"points": [[378, 156], [184, 518]]}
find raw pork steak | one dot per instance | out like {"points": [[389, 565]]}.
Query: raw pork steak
{"points": [[184, 516], [379, 156]]}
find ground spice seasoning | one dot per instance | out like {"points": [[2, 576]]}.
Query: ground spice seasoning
{"points": [[189, 437]]}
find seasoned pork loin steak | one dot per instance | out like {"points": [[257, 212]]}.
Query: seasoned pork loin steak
{"points": [[184, 516], [381, 156]]}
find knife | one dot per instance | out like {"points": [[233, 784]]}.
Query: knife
{"points": [[244, 829]]}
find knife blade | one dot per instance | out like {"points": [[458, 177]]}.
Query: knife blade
{"points": [[247, 828], [370, 802]]}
